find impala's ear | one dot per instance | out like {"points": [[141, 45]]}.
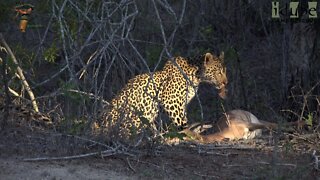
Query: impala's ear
{"points": [[221, 56], [208, 57]]}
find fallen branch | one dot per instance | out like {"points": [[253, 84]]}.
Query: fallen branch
{"points": [[20, 73], [262, 162], [130, 166], [88, 140], [207, 176], [118, 149], [278, 164], [102, 153], [316, 160], [219, 147], [215, 153]]}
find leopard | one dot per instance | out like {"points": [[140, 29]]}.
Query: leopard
{"points": [[139, 102]]}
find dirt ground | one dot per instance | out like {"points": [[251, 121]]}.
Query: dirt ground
{"points": [[255, 159]]}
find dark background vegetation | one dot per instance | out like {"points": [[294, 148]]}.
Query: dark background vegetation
{"points": [[77, 53]]}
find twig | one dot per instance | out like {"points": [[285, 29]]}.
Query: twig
{"points": [[63, 38], [206, 176], [51, 77], [14, 92], [90, 95], [214, 153], [21, 75], [290, 111], [229, 147], [238, 165], [89, 140], [316, 160], [118, 149], [162, 29], [262, 162], [44, 37], [145, 162], [305, 137], [278, 164], [88, 61], [130, 166], [111, 151], [103, 154]]}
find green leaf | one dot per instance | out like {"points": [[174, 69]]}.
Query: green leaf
{"points": [[50, 54], [309, 120]]}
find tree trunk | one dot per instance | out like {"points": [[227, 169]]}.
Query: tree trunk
{"points": [[301, 83]]}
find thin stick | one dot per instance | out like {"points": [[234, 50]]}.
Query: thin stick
{"points": [[14, 92], [241, 147], [316, 160], [103, 153], [130, 166], [278, 164], [207, 176], [90, 95], [262, 162]]}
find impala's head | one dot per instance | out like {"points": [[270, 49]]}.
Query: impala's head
{"points": [[215, 72]]}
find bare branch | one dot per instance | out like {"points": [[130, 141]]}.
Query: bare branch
{"points": [[21, 75]]}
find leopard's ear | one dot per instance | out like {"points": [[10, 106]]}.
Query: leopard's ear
{"points": [[221, 56], [208, 57]]}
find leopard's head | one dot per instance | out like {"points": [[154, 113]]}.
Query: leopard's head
{"points": [[214, 72]]}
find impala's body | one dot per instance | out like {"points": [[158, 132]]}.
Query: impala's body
{"points": [[235, 124]]}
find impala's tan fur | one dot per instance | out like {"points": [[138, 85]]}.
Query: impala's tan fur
{"points": [[235, 124]]}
